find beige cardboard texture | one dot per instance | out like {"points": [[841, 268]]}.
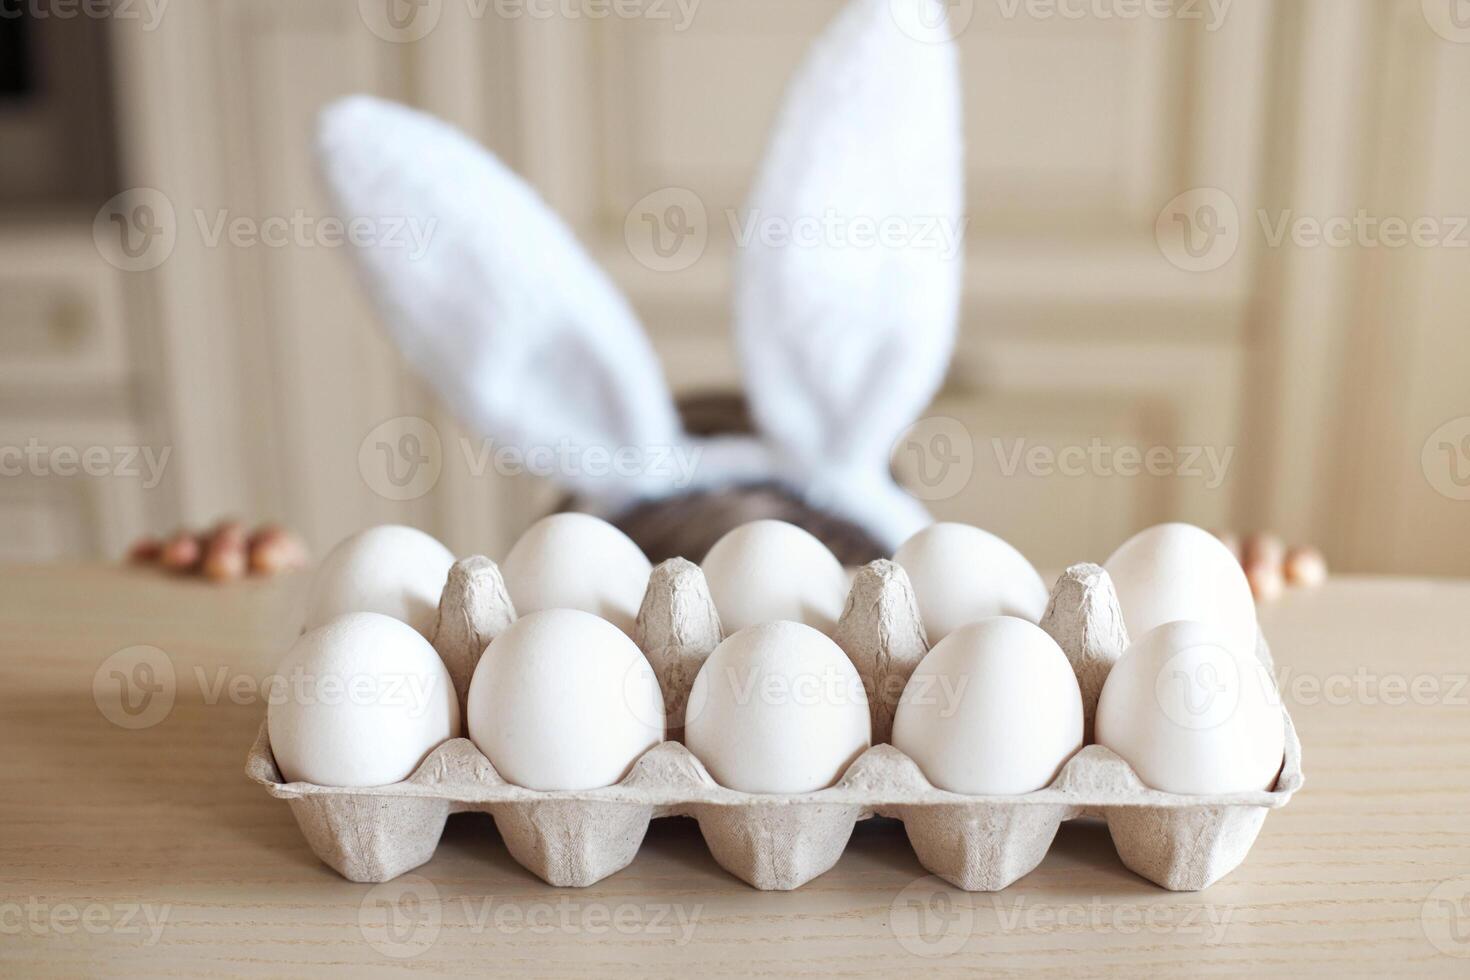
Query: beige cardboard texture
{"points": [[978, 843]]}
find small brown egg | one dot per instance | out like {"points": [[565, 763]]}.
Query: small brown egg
{"points": [[274, 550], [1306, 567], [145, 551], [1262, 547], [225, 556], [181, 552], [1267, 582]]}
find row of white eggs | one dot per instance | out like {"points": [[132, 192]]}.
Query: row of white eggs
{"points": [[564, 700]]}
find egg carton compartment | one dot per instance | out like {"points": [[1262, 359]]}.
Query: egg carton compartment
{"points": [[779, 842]]}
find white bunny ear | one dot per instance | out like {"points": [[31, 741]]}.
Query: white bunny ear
{"points": [[498, 306], [848, 280]]}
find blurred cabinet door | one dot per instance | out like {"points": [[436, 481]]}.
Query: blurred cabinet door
{"points": [[73, 470], [278, 386]]}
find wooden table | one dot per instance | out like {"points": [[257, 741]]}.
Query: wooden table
{"points": [[146, 851]]}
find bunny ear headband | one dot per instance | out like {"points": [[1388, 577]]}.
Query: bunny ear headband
{"points": [[843, 342]]}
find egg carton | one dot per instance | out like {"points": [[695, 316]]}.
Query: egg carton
{"points": [[779, 842]]}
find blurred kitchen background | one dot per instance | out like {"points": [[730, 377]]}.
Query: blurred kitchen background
{"points": [[1145, 179]]}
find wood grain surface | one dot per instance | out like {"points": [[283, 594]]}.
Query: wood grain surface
{"points": [[144, 851]]}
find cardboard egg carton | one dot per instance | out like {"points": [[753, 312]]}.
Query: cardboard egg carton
{"points": [[978, 843]]}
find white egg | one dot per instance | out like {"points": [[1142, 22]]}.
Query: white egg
{"points": [[766, 571], [577, 561], [1191, 714], [961, 574], [359, 701], [563, 700], [994, 708], [394, 570], [1178, 571], [777, 708]]}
